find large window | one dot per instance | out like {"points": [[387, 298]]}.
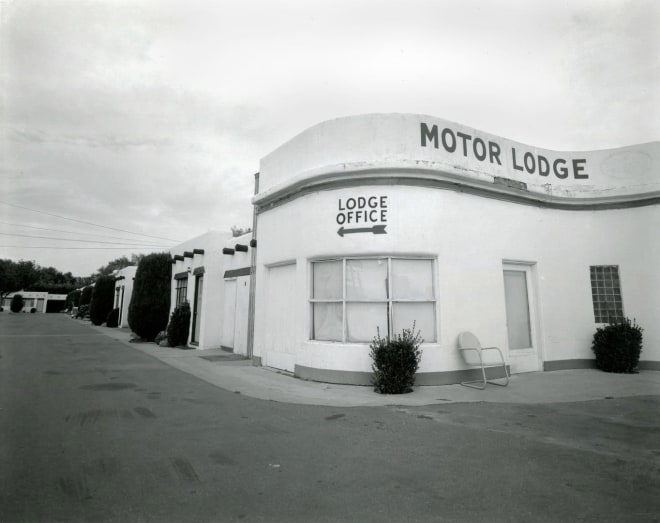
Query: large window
{"points": [[181, 291], [354, 298], [606, 293]]}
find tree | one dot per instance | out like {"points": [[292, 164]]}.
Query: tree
{"points": [[86, 295], [119, 263], [16, 276], [73, 299], [150, 303], [237, 231], [102, 299], [16, 303]]}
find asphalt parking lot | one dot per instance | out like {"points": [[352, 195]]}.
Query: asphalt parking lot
{"points": [[97, 429]]}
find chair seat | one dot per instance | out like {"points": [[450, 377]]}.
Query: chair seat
{"points": [[474, 354]]}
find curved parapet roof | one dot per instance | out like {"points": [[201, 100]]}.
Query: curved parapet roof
{"points": [[424, 150]]}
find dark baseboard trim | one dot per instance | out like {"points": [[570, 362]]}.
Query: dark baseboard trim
{"points": [[649, 365], [569, 364], [591, 364], [343, 377]]}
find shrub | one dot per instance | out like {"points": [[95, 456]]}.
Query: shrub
{"points": [[162, 335], [150, 303], [395, 361], [83, 311], [112, 319], [16, 303], [86, 295], [33, 310], [179, 325], [617, 346], [102, 301], [73, 300]]}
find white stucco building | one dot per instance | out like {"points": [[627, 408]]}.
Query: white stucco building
{"points": [[41, 301], [124, 279], [372, 222]]}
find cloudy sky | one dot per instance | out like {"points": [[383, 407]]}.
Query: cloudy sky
{"points": [[149, 117]]}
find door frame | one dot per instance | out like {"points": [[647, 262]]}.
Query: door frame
{"points": [[195, 314], [530, 270]]}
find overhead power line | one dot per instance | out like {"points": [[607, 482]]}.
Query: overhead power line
{"points": [[68, 248], [86, 223], [68, 232], [82, 241]]}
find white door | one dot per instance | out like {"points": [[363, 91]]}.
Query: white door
{"points": [[280, 339], [229, 318], [520, 318]]}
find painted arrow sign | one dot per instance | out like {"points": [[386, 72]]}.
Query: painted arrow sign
{"points": [[376, 229]]}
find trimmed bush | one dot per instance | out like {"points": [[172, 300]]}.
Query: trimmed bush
{"points": [[179, 325], [83, 312], [395, 361], [33, 310], [73, 300], [112, 319], [86, 295], [16, 303], [617, 346], [103, 297], [150, 303]]}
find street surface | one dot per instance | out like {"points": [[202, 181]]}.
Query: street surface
{"points": [[93, 430]]}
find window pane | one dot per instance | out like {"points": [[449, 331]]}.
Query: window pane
{"points": [[327, 280], [327, 321], [364, 320], [366, 279], [423, 314], [517, 310], [412, 279]]}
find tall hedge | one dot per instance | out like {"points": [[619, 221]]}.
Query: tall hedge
{"points": [[150, 303], [73, 300], [16, 304], [103, 297], [86, 295]]}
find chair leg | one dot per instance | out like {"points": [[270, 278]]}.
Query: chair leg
{"points": [[482, 383], [506, 373]]}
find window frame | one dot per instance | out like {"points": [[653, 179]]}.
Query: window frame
{"points": [[389, 300], [181, 297], [599, 301]]}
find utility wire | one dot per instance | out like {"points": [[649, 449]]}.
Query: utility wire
{"points": [[68, 232], [86, 223], [82, 241], [69, 248]]}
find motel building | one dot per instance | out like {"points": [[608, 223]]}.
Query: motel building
{"points": [[212, 273], [40, 301], [124, 279], [371, 223]]}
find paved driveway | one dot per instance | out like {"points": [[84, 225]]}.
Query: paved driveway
{"points": [[94, 430]]}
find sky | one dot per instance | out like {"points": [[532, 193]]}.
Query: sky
{"points": [[141, 123]]}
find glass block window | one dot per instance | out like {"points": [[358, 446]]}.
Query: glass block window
{"points": [[181, 291], [606, 293], [352, 299]]}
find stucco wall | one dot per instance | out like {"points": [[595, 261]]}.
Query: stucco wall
{"points": [[212, 295], [470, 237], [358, 145]]}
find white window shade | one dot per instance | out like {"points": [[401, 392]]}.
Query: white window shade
{"points": [[412, 279], [366, 279], [327, 280], [365, 320], [327, 318], [421, 314]]}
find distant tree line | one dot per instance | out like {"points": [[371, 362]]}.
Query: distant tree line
{"points": [[28, 276]]}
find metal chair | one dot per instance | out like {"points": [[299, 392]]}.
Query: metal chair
{"points": [[469, 342]]}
